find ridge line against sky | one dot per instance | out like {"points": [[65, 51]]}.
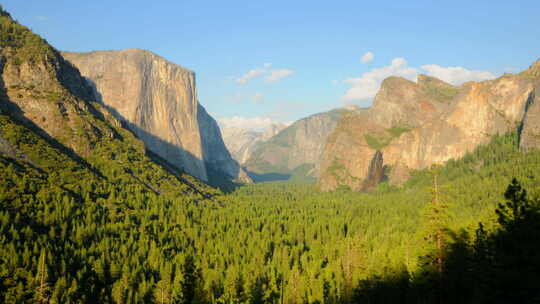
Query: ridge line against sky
{"points": [[281, 61]]}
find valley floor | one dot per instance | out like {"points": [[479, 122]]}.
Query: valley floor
{"points": [[273, 242]]}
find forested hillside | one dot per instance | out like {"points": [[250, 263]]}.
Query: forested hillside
{"points": [[73, 183], [263, 242]]}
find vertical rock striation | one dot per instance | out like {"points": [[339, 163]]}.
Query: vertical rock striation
{"points": [[158, 101], [375, 173], [418, 124]]}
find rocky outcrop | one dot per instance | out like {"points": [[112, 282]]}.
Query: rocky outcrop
{"points": [[243, 142], [401, 102], [297, 149], [530, 127], [418, 124], [157, 100], [40, 89], [51, 125]]}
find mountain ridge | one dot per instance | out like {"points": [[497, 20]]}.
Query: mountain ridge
{"points": [[415, 125], [47, 106], [295, 151]]}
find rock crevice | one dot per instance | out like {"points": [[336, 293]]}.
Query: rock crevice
{"points": [[415, 125], [157, 100]]}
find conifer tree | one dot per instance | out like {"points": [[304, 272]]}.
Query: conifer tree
{"points": [[162, 291], [516, 207], [436, 220], [120, 289], [191, 279], [515, 265], [436, 217], [42, 277], [350, 262]]}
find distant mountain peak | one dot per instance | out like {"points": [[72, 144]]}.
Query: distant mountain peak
{"points": [[424, 80]]}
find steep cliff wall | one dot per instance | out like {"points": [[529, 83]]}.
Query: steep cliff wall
{"points": [[158, 101], [215, 154], [530, 127], [50, 125], [296, 149], [418, 124]]}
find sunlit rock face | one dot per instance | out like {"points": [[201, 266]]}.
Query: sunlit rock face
{"points": [[417, 124], [157, 100], [296, 149]]}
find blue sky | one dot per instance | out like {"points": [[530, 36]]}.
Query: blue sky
{"points": [[305, 56]]}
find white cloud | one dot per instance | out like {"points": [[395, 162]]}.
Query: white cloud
{"points": [[276, 75], [366, 86], [41, 18], [272, 75], [456, 75], [367, 57], [256, 123], [249, 75]]}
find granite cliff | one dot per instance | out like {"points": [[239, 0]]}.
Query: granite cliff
{"points": [[295, 151], [157, 100], [52, 130], [413, 125]]}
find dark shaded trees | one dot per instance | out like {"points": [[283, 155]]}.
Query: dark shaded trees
{"points": [[497, 266], [509, 259]]}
